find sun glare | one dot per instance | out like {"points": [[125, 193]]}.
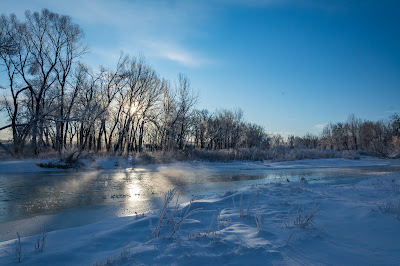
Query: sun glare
{"points": [[133, 109], [134, 191]]}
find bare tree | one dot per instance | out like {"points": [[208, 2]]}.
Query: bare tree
{"points": [[46, 44], [186, 101]]}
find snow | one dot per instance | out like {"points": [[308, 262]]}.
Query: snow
{"points": [[355, 223]]}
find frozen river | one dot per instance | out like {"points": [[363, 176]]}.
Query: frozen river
{"points": [[62, 199]]}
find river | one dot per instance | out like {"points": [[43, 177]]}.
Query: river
{"points": [[62, 199]]}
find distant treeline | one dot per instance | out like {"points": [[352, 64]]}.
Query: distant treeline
{"points": [[56, 102], [378, 138]]}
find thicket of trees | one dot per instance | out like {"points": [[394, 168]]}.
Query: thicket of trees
{"points": [[54, 101], [376, 137], [379, 138]]}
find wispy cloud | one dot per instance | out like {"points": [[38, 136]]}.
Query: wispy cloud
{"points": [[284, 134], [174, 25], [320, 126], [171, 25], [392, 111], [253, 3], [327, 5], [176, 53]]}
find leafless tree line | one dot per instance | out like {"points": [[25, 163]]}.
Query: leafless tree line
{"points": [[226, 129], [379, 138], [376, 137], [54, 101]]}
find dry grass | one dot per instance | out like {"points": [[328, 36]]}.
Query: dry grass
{"points": [[301, 218], [170, 220], [229, 155], [213, 230], [250, 202], [259, 221], [156, 231], [123, 256], [41, 240], [16, 251]]}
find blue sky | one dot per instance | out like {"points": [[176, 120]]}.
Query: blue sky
{"points": [[292, 66]]}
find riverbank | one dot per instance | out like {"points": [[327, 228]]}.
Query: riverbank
{"points": [[73, 159], [116, 162]]}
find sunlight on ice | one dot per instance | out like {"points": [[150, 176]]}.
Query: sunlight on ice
{"points": [[134, 189]]}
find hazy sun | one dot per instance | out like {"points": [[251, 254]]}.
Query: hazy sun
{"points": [[133, 109]]}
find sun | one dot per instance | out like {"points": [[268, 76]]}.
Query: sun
{"points": [[133, 109]]}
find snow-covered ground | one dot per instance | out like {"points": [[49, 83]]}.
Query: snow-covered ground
{"points": [[298, 223]]}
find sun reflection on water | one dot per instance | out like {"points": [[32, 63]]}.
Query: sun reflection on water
{"points": [[134, 187], [134, 191]]}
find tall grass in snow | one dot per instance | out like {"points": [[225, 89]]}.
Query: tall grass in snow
{"points": [[16, 251], [253, 154], [301, 218], [156, 231], [171, 219]]}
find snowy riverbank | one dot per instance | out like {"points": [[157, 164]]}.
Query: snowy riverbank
{"points": [[31, 165], [298, 223]]}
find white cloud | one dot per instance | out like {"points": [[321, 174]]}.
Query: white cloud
{"points": [[320, 126], [174, 25], [326, 5], [171, 25], [176, 53], [284, 134], [253, 3], [391, 111]]}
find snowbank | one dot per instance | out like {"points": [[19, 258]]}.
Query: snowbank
{"points": [[282, 223]]}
